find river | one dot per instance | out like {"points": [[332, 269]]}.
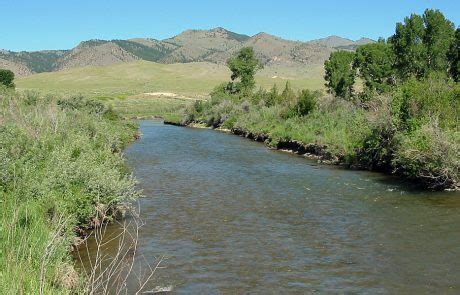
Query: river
{"points": [[231, 216]]}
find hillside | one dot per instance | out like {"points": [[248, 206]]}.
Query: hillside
{"points": [[215, 46], [95, 53]]}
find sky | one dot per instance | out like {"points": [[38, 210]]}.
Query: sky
{"points": [[53, 24]]}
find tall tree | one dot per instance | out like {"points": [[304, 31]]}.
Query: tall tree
{"points": [[410, 52], [422, 43], [7, 78], [438, 38], [454, 57], [375, 63], [243, 67], [340, 74]]}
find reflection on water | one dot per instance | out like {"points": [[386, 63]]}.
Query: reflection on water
{"points": [[232, 217]]}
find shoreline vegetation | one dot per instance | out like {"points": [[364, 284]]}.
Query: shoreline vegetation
{"points": [[403, 121], [62, 174]]}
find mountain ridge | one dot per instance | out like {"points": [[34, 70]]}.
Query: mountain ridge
{"points": [[215, 45]]}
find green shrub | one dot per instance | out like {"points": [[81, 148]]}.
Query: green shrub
{"points": [[306, 102], [272, 97], [7, 78], [417, 102], [59, 162], [82, 104], [430, 154]]}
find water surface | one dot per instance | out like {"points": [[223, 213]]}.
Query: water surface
{"points": [[233, 217]]}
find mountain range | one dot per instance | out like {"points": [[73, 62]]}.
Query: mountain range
{"points": [[215, 45]]}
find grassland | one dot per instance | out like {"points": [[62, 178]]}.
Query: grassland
{"points": [[190, 79], [147, 106]]}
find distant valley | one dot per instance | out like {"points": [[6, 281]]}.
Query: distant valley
{"points": [[214, 46]]}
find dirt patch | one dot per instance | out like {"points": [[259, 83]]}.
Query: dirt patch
{"points": [[168, 94]]}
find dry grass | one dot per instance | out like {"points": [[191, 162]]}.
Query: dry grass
{"points": [[189, 79]]}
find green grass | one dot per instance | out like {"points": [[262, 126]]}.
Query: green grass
{"points": [[149, 106], [333, 123], [59, 162]]}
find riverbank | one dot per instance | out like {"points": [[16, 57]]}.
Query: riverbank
{"points": [[410, 132], [310, 151], [62, 171], [313, 151]]}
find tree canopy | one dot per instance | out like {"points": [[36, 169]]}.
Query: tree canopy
{"points": [[421, 44], [407, 42], [439, 35], [243, 67], [375, 63], [340, 74]]}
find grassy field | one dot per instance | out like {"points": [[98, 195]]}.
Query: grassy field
{"points": [[190, 79], [148, 106]]}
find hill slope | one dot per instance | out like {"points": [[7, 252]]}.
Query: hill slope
{"points": [[95, 53], [215, 46]]}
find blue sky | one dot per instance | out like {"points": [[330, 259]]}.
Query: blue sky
{"points": [[46, 24]]}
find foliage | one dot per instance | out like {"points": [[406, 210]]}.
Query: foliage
{"points": [[243, 67], [269, 98], [421, 44], [416, 102], [7, 78], [60, 164], [430, 154], [410, 53], [375, 63], [299, 105], [306, 102], [438, 38], [288, 95], [340, 75]]}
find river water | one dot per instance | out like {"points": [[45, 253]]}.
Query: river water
{"points": [[233, 217]]}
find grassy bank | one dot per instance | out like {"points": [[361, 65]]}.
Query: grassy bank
{"points": [[412, 131], [60, 164]]}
